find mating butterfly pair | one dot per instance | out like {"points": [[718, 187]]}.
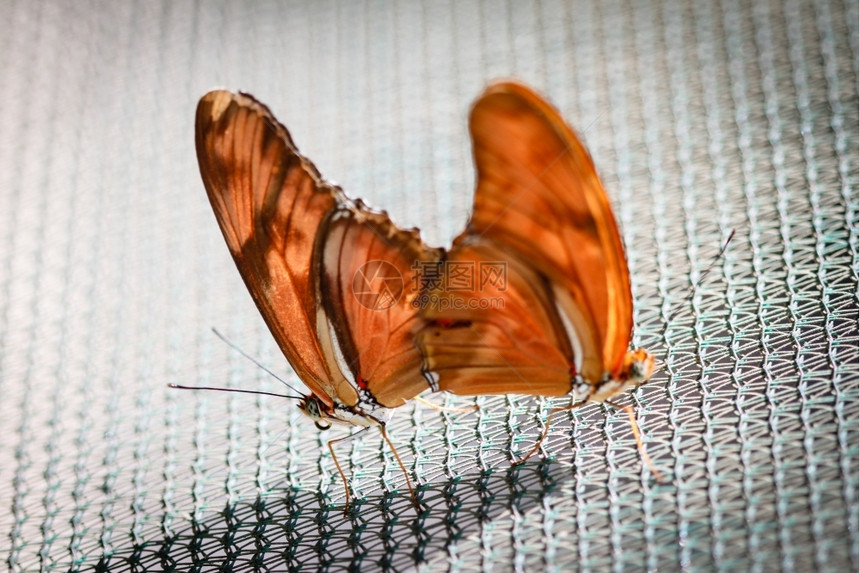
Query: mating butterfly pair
{"points": [[302, 246]]}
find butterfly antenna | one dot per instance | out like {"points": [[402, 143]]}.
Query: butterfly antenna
{"points": [[254, 360], [707, 271], [717, 258], [237, 390]]}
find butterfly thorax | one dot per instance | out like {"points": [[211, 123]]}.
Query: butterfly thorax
{"points": [[325, 415], [636, 368]]}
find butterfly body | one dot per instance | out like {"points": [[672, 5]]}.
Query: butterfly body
{"points": [[365, 414]]}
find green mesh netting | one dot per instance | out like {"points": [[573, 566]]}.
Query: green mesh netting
{"points": [[703, 117]]}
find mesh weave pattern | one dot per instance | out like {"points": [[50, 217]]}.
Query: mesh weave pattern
{"points": [[703, 117]]}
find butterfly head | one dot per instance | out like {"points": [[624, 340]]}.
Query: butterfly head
{"points": [[316, 410], [325, 415], [637, 367]]}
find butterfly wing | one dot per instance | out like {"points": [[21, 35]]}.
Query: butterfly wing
{"points": [[498, 335], [298, 242], [540, 209], [539, 193], [270, 203], [368, 271]]}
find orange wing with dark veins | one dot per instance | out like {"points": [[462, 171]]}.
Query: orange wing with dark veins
{"points": [[298, 242], [539, 193], [539, 208], [365, 249], [270, 203], [517, 347]]}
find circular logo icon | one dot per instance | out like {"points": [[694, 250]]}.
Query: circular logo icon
{"points": [[377, 285]]}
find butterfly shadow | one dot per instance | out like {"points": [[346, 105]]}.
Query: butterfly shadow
{"points": [[293, 529]]}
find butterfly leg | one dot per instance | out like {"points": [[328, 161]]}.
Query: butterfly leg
{"points": [[339, 469], [438, 408], [638, 436], [546, 430], [402, 467]]}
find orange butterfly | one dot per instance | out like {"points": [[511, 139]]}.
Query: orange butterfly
{"points": [[541, 212], [305, 252]]}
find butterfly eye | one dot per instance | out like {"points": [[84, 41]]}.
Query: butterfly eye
{"points": [[310, 408]]}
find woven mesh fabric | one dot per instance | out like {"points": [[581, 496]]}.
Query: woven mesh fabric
{"points": [[703, 117]]}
